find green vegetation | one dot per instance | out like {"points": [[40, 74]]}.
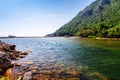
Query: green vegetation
{"points": [[100, 19]]}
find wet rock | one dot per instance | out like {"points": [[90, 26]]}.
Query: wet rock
{"points": [[27, 76], [12, 47], [26, 68], [14, 57], [8, 47], [22, 56], [16, 65], [5, 62], [14, 52], [17, 58], [24, 53]]}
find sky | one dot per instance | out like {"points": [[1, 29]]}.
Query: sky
{"points": [[37, 17]]}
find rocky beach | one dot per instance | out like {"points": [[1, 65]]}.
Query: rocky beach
{"points": [[59, 59], [7, 54], [10, 69]]}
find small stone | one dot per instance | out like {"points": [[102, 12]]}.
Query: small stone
{"points": [[34, 71]]}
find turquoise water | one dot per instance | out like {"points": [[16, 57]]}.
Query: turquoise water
{"points": [[97, 59]]}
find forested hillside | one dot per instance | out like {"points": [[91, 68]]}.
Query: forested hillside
{"points": [[99, 19]]}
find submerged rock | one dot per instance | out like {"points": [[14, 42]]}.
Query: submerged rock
{"points": [[28, 62], [96, 76], [27, 76], [26, 68]]}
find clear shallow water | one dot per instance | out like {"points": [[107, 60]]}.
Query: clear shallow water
{"points": [[95, 58]]}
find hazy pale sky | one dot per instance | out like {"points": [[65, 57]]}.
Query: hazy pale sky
{"points": [[37, 17]]}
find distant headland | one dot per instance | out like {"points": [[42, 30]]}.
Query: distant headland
{"points": [[10, 36]]}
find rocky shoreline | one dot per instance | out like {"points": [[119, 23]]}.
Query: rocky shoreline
{"points": [[7, 54], [28, 70]]}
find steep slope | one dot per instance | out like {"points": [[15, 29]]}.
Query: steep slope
{"points": [[101, 18]]}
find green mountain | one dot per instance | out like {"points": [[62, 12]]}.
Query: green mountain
{"points": [[99, 19]]}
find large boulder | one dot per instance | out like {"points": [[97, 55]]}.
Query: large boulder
{"points": [[6, 47], [5, 61], [11, 46]]}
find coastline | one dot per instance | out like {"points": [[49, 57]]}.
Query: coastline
{"points": [[27, 70], [51, 69], [97, 38], [8, 53]]}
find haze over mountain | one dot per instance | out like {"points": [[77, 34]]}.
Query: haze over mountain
{"points": [[99, 19]]}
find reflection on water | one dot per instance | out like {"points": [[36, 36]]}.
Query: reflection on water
{"points": [[94, 58]]}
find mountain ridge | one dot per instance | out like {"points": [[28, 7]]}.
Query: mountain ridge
{"points": [[101, 19]]}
